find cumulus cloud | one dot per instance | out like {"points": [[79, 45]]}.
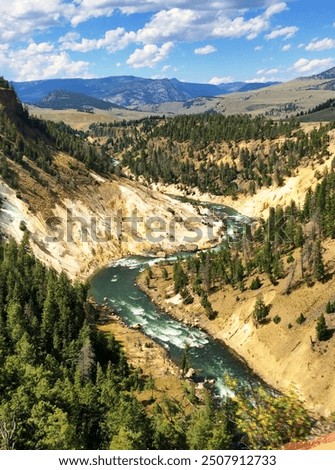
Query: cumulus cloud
{"points": [[41, 61], [275, 9], [20, 18], [267, 72], [312, 66], [321, 44], [86, 9], [150, 55], [219, 80], [205, 50], [287, 47], [176, 23], [170, 21], [286, 33], [258, 80], [113, 40]]}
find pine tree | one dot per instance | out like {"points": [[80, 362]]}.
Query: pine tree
{"points": [[330, 307], [179, 278], [260, 311], [319, 268], [322, 331]]}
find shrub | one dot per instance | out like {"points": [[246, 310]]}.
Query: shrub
{"points": [[301, 319], [255, 284]]}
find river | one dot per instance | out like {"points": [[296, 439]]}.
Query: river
{"points": [[210, 358]]}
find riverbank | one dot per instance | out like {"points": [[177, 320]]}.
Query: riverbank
{"points": [[145, 355], [284, 355]]}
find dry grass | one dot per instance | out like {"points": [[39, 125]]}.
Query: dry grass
{"points": [[81, 121]]}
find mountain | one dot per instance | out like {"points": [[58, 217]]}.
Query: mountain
{"points": [[61, 99], [326, 75], [294, 97], [128, 91]]}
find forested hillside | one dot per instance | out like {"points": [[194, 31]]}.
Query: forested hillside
{"points": [[63, 385], [270, 246], [221, 155], [24, 138]]}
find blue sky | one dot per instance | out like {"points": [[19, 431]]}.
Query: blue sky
{"points": [[211, 41]]}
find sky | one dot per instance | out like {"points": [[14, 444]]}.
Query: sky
{"points": [[214, 41]]}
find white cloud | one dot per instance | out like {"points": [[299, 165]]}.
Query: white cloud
{"points": [[205, 50], [258, 48], [286, 33], [114, 40], [287, 47], [172, 24], [171, 21], [150, 55], [195, 24], [219, 80], [267, 72], [258, 80], [86, 9], [21, 18], [321, 44], [239, 27], [312, 66], [41, 61], [275, 9]]}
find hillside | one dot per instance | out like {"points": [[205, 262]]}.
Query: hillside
{"points": [[60, 99], [268, 293], [231, 156], [277, 101]]}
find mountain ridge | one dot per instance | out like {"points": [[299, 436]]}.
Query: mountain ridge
{"points": [[128, 90]]}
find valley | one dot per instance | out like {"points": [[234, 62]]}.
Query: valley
{"points": [[104, 186]]}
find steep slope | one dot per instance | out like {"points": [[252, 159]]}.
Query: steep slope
{"points": [[79, 219]]}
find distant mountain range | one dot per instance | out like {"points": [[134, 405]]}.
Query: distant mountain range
{"points": [[124, 91], [61, 99]]}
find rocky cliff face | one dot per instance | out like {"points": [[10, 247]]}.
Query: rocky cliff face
{"points": [[10, 104], [80, 221]]}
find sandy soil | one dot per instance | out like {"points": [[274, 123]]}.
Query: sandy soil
{"points": [[144, 354]]}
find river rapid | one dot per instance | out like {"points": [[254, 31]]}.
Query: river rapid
{"points": [[211, 359]]}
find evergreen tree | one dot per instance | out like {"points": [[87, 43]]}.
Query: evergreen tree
{"points": [[179, 277], [322, 331], [260, 311]]}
